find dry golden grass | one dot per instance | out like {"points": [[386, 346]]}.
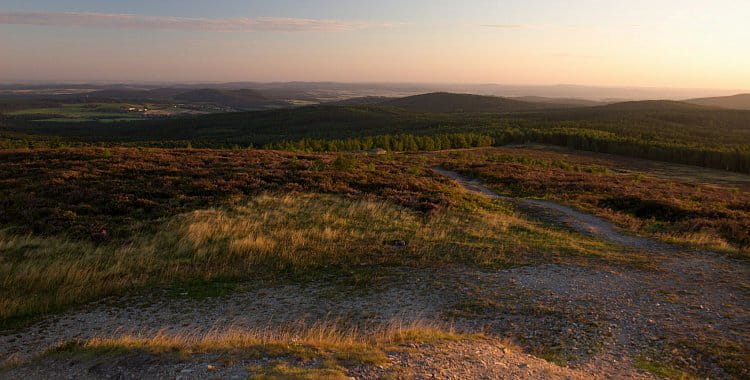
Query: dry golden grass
{"points": [[328, 347], [701, 239], [293, 339], [273, 234]]}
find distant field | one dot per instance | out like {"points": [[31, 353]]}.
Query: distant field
{"points": [[301, 102], [103, 112]]}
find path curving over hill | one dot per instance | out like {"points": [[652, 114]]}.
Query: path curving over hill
{"points": [[577, 220]]}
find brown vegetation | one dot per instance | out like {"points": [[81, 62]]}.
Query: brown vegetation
{"points": [[105, 194]]}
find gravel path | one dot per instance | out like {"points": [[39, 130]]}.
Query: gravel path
{"points": [[692, 294], [597, 319], [408, 297]]}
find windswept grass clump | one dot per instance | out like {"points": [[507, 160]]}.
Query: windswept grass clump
{"points": [[272, 235], [323, 349], [299, 340]]}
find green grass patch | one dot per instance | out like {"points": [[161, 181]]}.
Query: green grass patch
{"points": [[660, 370]]}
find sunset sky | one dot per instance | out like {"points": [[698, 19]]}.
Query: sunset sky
{"points": [[660, 43]]}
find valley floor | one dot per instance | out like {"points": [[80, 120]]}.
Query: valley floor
{"points": [[685, 312]]}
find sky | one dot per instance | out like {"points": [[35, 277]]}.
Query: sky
{"points": [[653, 43]]}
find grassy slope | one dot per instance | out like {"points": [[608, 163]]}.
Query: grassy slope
{"points": [[270, 235], [210, 237], [266, 229]]}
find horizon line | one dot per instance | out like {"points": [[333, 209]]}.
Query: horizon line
{"points": [[100, 82]]}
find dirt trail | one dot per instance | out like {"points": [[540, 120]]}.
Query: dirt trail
{"points": [[407, 295], [579, 221]]}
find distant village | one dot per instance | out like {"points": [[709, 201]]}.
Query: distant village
{"points": [[177, 109]]}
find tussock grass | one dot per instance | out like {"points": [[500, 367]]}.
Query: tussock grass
{"points": [[272, 235], [295, 339], [328, 346], [701, 239]]}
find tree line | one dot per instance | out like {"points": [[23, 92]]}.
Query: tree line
{"points": [[396, 143], [735, 158]]}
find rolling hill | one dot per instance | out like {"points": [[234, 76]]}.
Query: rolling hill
{"points": [[739, 101], [361, 101], [444, 102], [240, 99], [652, 105], [458, 98], [570, 102]]}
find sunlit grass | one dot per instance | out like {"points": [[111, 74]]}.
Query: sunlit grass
{"points": [[322, 349], [661, 370], [300, 340], [272, 235]]}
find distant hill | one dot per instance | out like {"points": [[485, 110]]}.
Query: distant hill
{"points": [[739, 101], [572, 102], [444, 102], [159, 94], [241, 99], [652, 105], [362, 100]]}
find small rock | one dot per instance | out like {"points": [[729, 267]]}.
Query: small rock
{"points": [[397, 243]]}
